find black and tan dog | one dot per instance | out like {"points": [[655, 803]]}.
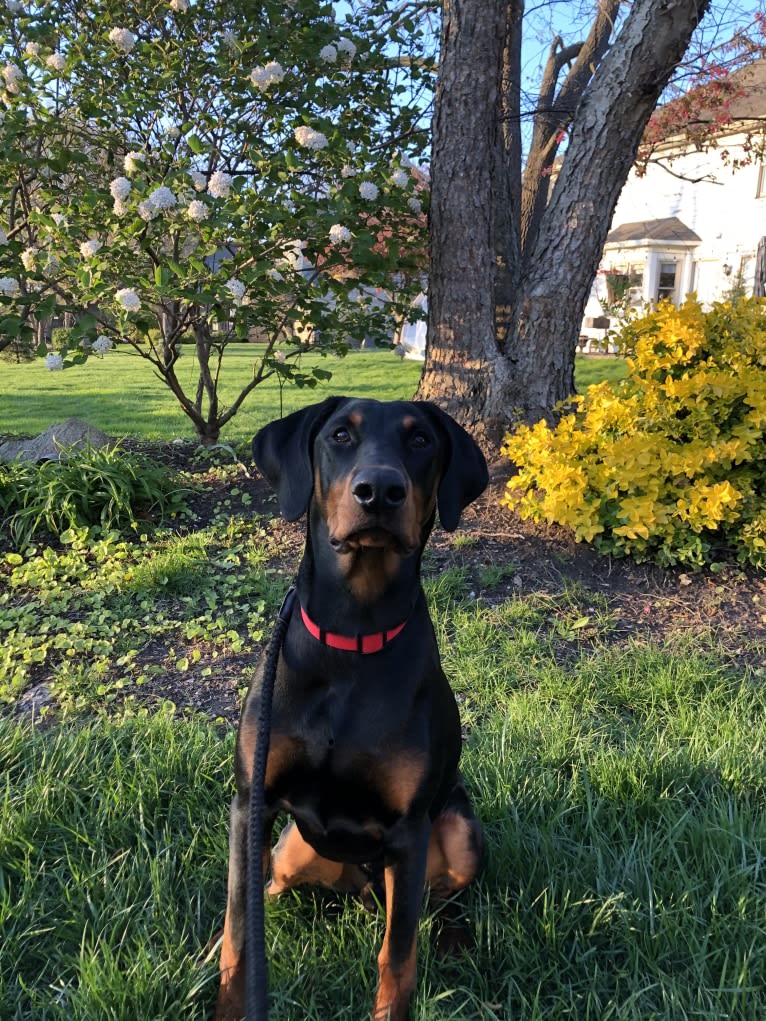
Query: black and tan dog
{"points": [[365, 736]]}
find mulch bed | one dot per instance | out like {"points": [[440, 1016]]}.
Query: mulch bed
{"points": [[642, 601]]}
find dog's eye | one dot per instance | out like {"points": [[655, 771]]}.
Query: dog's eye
{"points": [[342, 436], [420, 440]]}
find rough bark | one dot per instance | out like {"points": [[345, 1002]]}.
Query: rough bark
{"points": [[462, 348], [488, 381]]}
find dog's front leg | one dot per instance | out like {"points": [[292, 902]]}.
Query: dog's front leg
{"points": [[405, 882], [230, 1005]]}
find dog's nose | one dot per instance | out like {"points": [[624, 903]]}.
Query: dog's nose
{"points": [[379, 489]]}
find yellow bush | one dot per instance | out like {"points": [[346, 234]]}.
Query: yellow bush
{"points": [[670, 464]]}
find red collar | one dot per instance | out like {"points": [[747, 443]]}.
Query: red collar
{"points": [[351, 643]]}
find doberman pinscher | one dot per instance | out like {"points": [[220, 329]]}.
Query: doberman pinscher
{"points": [[365, 733]]}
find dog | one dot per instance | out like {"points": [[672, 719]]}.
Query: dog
{"points": [[365, 733]]}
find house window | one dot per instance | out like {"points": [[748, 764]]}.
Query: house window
{"points": [[623, 286], [760, 191], [666, 284]]}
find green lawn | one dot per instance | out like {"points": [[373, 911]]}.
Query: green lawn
{"points": [[620, 783], [120, 395]]}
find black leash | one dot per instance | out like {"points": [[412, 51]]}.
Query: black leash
{"points": [[256, 971]]}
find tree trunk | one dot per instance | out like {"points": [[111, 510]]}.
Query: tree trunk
{"points": [[489, 382], [462, 348]]}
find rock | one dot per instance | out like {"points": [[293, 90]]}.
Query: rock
{"points": [[34, 700], [49, 444]]}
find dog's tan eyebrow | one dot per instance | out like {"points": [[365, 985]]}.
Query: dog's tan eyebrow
{"points": [[409, 422], [356, 418]]}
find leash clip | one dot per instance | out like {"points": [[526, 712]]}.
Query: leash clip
{"points": [[287, 605]]}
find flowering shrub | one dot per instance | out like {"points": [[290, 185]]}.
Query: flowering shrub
{"points": [[171, 168], [669, 464]]}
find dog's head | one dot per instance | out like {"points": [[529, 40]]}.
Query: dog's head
{"points": [[377, 471]]}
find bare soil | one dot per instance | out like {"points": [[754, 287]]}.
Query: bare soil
{"points": [[641, 601]]}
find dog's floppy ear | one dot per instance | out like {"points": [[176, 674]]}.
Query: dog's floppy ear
{"points": [[465, 472], [282, 451]]}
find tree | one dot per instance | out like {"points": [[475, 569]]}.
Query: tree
{"points": [[513, 255], [177, 177]]}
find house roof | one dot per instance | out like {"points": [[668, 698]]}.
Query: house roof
{"points": [[669, 229]]}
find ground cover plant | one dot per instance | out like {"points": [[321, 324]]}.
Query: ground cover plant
{"points": [[615, 748]]}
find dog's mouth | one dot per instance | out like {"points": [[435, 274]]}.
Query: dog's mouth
{"points": [[375, 538]]}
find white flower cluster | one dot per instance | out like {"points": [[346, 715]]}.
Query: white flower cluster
{"points": [[219, 185], [179, 6], [129, 299], [237, 291], [346, 48], [339, 234], [198, 180], [9, 286], [54, 362], [12, 76], [32, 49], [3, 237], [400, 177], [162, 198], [348, 171], [309, 138], [56, 62], [14, 6], [416, 206], [102, 344], [133, 162], [90, 248], [270, 74], [120, 188], [197, 211], [28, 258], [147, 210], [123, 39], [342, 48], [368, 191]]}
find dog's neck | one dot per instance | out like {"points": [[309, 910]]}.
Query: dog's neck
{"points": [[365, 589]]}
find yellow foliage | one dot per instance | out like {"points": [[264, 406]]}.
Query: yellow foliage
{"points": [[668, 464]]}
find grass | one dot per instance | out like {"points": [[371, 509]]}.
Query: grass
{"points": [[120, 395], [620, 783]]}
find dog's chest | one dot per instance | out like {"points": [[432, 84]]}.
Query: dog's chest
{"points": [[346, 768]]}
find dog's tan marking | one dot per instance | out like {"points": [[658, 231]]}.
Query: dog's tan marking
{"points": [[282, 751], [296, 863], [452, 857], [397, 979], [399, 779]]}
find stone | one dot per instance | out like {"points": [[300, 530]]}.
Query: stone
{"points": [[49, 444]]}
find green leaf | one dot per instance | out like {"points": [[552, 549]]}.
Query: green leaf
{"points": [[10, 326]]}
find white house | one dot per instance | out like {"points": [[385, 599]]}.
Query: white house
{"points": [[692, 222]]}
